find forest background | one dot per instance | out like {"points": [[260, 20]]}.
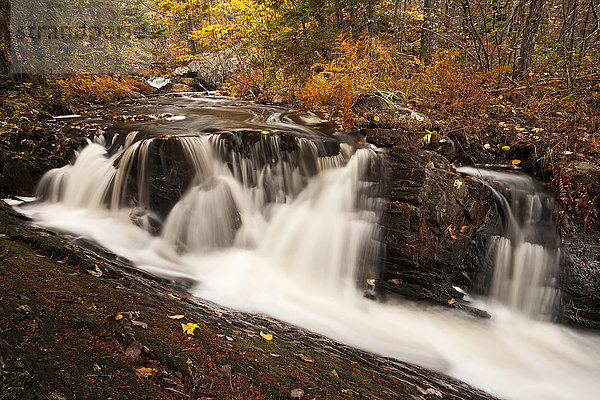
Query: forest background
{"points": [[494, 75]]}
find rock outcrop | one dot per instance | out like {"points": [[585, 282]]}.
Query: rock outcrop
{"points": [[208, 71], [432, 215], [579, 277]]}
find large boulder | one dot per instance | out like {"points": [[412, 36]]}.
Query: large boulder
{"points": [[432, 216], [210, 70]]}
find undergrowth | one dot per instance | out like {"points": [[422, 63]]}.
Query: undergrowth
{"points": [[556, 122], [54, 94]]}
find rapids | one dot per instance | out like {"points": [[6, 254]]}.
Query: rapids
{"points": [[294, 237]]}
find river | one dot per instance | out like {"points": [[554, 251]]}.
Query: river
{"points": [[285, 224]]}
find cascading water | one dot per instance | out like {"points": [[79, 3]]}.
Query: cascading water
{"points": [[286, 225], [526, 253]]}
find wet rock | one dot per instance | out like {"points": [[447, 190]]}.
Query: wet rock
{"points": [[430, 221], [442, 145], [579, 278]]}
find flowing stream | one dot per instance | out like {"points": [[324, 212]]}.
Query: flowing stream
{"points": [[286, 225]]}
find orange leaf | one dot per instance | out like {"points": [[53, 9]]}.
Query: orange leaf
{"points": [[305, 358]]}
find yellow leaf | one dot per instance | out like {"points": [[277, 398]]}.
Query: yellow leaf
{"points": [[567, 153], [334, 373], [266, 336], [189, 328], [376, 118], [516, 162], [118, 317], [396, 281], [173, 296], [144, 372], [178, 316], [506, 148], [451, 301], [218, 313], [264, 132], [371, 282]]}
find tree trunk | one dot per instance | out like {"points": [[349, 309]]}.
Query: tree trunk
{"points": [[428, 38], [529, 34]]}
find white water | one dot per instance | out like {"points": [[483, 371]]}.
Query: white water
{"points": [[159, 82], [296, 259], [524, 271]]}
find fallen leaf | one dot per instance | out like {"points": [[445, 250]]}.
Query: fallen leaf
{"points": [[178, 316], [189, 328], [334, 373], [144, 372], [218, 313], [423, 391], [487, 146], [118, 317], [430, 164], [567, 152], [97, 272], [371, 282], [173, 296], [516, 162], [264, 132], [266, 336], [396, 281], [305, 358], [376, 118], [506, 148], [451, 301], [451, 231], [464, 228]]}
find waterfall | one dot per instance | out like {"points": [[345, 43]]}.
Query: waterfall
{"points": [[285, 223], [526, 253], [308, 213]]}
